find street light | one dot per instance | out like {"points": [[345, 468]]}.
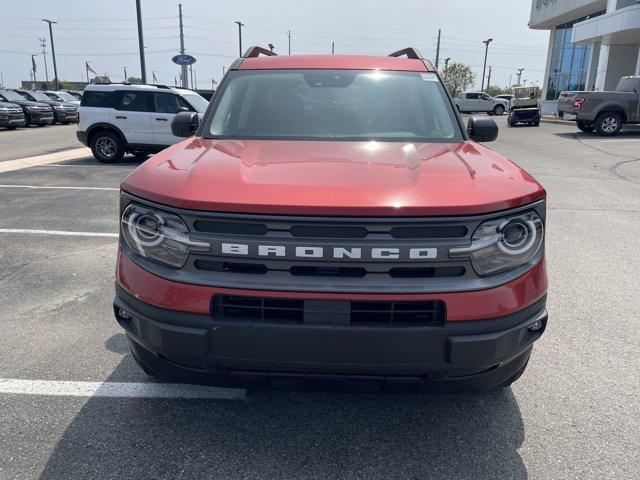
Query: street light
{"points": [[271, 46], [486, 52], [56, 82]]}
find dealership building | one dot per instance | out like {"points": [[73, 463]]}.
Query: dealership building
{"points": [[593, 43]]}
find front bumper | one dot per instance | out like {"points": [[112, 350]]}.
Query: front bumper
{"points": [[41, 118], [83, 138], [459, 356], [12, 120], [66, 116]]}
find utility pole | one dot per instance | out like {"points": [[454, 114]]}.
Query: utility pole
{"points": [[333, 48], [223, 70], [489, 79], [183, 68], [289, 35], [56, 82], [143, 68], [520, 70], [33, 67], [195, 80], [43, 44], [438, 49], [191, 71], [240, 25], [125, 75], [486, 52], [86, 67], [1, 79]]}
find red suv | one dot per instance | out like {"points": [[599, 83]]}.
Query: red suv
{"points": [[332, 224]]}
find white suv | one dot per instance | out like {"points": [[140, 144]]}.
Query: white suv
{"points": [[119, 118]]}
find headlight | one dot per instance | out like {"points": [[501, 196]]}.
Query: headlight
{"points": [[58, 107], [158, 235], [4, 109], [503, 243]]}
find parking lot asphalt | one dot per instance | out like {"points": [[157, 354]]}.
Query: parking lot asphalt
{"points": [[575, 414], [30, 141]]}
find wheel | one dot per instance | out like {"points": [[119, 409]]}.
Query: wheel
{"points": [[509, 122], [536, 124], [608, 123], [107, 147], [586, 127], [498, 110]]}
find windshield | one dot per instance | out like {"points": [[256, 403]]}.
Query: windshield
{"points": [[66, 96], [11, 96], [334, 105], [198, 102], [40, 96]]}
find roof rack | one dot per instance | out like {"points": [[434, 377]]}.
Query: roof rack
{"points": [[253, 52], [410, 52]]}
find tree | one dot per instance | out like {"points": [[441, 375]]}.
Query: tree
{"points": [[492, 91], [458, 77], [133, 80]]}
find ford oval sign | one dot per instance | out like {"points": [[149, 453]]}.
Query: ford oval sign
{"points": [[183, 59]]}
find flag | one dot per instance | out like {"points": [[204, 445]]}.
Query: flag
{"points": [[214, 82], [89, 69], [154, 77], [34, 67]]}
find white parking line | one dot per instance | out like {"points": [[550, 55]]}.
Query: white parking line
{"points": [[18, 164], [618, 140], [116, 389], [44, 187], [58, 232]]}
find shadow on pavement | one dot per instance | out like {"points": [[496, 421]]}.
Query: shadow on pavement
{"points": [[626, 133], [292, 435]]}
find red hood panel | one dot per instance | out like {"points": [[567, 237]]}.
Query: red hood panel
{"points": [[333, 178]]}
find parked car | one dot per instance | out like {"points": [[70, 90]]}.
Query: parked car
{"points": [[475, 102], [74, 93], [11, 116], [206, 94], [62, 97], [331, 221], [36, 113], [525, 106], [63, 112], [603, 112], [119, 118]]}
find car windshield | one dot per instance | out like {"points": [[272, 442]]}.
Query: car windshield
{"points": [[66, 96], [334, 105], [11, 96], [40, 96], [198, 102]]}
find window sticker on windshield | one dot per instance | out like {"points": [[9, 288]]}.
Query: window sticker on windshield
{"points": [[429, 77]]}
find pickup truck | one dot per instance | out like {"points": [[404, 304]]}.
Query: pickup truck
{"points": [[603, 112], [473, 102]]}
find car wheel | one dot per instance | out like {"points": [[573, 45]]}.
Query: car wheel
{"points": [[536, 124], [608, 123], [107, 147], [586, 127], [498, 110]]}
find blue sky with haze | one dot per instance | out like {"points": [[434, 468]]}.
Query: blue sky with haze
{"points": [[104, 33]]}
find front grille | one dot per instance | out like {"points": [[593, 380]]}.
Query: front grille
{"points": [[388, 314]]}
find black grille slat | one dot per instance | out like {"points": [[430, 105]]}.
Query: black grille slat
{"points": [[235, 228], [429, 232], [361, 313], [327, 231]]}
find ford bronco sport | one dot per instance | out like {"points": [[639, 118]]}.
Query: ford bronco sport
{"points": [[330, 223]]}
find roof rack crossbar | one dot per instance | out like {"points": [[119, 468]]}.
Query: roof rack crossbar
{"points": [[410, 52], [253, 52]]}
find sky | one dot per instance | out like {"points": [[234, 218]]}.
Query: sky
{"points": [[105, 34]]}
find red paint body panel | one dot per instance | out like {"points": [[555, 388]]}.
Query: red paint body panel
{"points": [[337, 62], [333, 178], [477, 305]]}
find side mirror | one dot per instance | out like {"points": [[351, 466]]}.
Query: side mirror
{"points": [[185, 124], [482, 129], [183, 109]]}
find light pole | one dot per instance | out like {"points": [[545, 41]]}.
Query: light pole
{"points": [[56, 82], [520, 70], [43, 44], [125, 75], [240, 25], [143, 68], [446, 64], [486, 52], [271, 47]]}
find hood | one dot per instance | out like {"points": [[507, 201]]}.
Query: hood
{"points": [[333, 178], [30, 103], [8, 104]]}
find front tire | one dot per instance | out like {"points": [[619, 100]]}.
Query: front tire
{"points": [[498, 110], [586, 127], [608, 124], [107, 147]]}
